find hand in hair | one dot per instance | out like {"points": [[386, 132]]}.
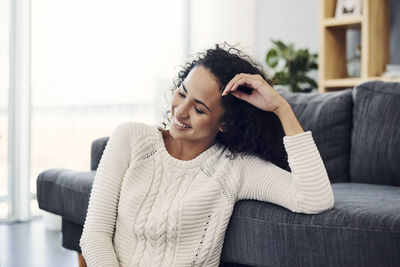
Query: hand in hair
{"points": [[263, 96]]}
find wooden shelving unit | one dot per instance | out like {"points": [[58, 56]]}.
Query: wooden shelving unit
{"points": [[374, 26]]}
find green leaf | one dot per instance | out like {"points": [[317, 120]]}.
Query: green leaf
{"points": [[307, 80], [297, 63], [282, 77], [272, 58], [280, 45]]}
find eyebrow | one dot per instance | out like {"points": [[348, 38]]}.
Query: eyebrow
{"points": [[196, 100]]}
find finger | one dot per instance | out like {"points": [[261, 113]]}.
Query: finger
{"points": [[241, 95], [253, 79], [231, 82], [248, 81], [226, 90]]}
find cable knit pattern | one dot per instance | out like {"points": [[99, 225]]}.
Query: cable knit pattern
{"points": [[147, 208]]}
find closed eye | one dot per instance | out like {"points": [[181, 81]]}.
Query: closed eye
{"points": [[195, 108], [199, 111]]}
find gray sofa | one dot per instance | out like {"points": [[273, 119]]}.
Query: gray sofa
{"points": [[357, 132]]}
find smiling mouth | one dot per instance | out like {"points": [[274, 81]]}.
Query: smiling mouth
{"points": [[180, 124]]}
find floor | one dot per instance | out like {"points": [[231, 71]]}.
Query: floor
{"points": [[29, 244]]}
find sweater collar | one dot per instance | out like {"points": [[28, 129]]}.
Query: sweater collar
{"points": [[187, 164]]}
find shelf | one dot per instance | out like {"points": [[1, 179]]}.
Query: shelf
{"points": [[373, 24], [351, 82], [346, 21], [343, 82], [385, 79]]}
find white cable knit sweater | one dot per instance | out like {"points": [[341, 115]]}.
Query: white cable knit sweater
{"points": [[148, 208]]}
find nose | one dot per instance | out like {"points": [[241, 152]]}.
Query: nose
{"points": [[182, 110]]}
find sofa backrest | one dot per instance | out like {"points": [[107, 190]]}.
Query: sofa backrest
{"points": [[329, 117], [375, 143], [96, 151]]}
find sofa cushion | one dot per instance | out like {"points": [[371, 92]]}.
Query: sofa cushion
{"points": [[96, 151], [71, 235], [362, 229], [329, 117], [375, 146], [65, 192]]}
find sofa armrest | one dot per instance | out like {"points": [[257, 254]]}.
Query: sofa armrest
{"points": [[97, 150], [65, 192]]}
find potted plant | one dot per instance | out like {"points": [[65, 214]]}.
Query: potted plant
{"points": [[290, 66]]}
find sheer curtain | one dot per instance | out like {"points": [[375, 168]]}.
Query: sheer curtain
{"points": [[96, 64], [4, 83]]}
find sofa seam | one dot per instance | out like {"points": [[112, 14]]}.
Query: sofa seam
{"points": [[318, 226], [363, 87], [65, 187], [317, 101]]}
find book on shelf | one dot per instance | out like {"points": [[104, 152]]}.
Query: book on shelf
{"points": [[392, 71]]}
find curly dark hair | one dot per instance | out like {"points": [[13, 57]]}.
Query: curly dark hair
{"points": [[247, 129]]}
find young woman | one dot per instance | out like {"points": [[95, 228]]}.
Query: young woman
{"points": [[163, 196]]}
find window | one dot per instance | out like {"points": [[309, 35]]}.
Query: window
{"points": [[94, 65], [4, 84]]}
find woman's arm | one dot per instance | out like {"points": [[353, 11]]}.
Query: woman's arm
{"points": [[290, 124], [306, 188], [98, 230]]}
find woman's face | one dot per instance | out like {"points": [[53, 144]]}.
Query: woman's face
{"points": [[196, 108]]}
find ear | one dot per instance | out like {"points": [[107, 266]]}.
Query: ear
{"points": [[221, 128]]}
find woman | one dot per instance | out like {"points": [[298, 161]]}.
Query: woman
{"points": [[163, 196]]}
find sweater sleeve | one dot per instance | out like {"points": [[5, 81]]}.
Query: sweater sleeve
{"points": [[306, 189], [98, 230]]}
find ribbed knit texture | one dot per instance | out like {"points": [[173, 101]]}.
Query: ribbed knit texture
{"points": [[147, 208]]}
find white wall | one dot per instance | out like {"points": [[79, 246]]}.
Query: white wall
{"points": [[216, 21], [287, 20], [252, 24]]}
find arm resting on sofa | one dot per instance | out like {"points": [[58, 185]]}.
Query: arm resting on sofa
{"points": [[306, 189]]}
